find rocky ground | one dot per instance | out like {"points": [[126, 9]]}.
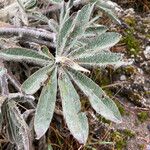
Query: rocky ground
{"points": [[130, 85]]}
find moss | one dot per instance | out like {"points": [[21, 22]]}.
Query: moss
{"points": [[106, 121], [142, 116], [130, 21], [135, 98], [121, 109], [120, 145], [101, 77], [141, 147], [129, 70], [128, 133], [119, 140], [133, 45], [148, 36]]}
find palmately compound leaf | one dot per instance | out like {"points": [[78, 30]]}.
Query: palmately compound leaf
{"points": [[101, 42], [79, 43], [18, 131], [100, 59], [34, 82], [76, 121], [46, 105], [98, 99], [22, 54]]}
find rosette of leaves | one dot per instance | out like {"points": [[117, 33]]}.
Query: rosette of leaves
{"points": [[80, 45]]}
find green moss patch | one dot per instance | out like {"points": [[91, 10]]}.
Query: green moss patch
{"points": [[132, 43], [142, 116], [120, 138]]}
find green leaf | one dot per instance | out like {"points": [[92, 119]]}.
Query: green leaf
{"points": [[46, 104], [17, 129], [62, 35], [22, 54], [50, 147], [101, 42], [104, 41], [81, 20], [53, 25], [55, 1], [95, 30], [80, 24], [108, 9], [39, 16], [101, 59], [45, 50], [2, 71], [98, 99], [110, 14], [34, 82], [65, 26], [76, 121], [90, 32], [65, 11], [29, 4]]}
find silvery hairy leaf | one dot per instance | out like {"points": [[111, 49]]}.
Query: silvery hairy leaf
{"points": [[18, 131], [98, 99], [35, 81], [100, 42], [76, 121], [100, 59], [23, 54], [46, 105]]}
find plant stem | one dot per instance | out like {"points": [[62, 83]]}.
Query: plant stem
{"points": [[27, 31], [39, 41], [14, 81], [3, 82], [4, 85]]}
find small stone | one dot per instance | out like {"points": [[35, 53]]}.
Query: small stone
{"points": [[148, 147], [147, 52], [148, 127], [129, 12], [123, 77]]}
